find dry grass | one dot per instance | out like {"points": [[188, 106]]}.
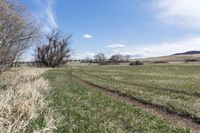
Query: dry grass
{"points": [[21, 98]]}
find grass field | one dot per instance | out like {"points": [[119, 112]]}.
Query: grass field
{"points": [[172, 87], [52, 100], [85, 110]]}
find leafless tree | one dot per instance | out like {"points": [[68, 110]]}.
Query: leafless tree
{"points": [[127, 58], [100, 58], [87, 59], [17, 31], [116, 58], [56, 52]]}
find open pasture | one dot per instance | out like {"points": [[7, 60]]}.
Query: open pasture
{"points": [[174, 88], [83, 109]]}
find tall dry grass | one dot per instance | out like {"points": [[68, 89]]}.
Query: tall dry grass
{"points": [[21, 98]]}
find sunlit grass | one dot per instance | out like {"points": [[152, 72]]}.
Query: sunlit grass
{"points": [[85, 110], [173, 86]]}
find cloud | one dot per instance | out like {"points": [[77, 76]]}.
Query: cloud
{"points": [[146, 50], [82, 55], [159, 49], [87, 36], [50, 14], [115, 45], [185, 13], [45, 15]]}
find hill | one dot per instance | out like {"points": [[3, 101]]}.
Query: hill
{"points": [[188, 53], [192, 56]]}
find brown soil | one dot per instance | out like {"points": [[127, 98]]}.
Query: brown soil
{"points": [[181, 121]]}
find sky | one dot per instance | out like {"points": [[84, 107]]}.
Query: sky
{"points": [[140, 28]]}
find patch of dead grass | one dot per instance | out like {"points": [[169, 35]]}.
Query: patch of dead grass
{"points": [[21, 98]]}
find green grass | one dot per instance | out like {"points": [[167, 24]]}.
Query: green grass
{"points": [[85, 110], [172, 86], [1, 84], [37, 123]]}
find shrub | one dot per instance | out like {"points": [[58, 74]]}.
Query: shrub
{"points": [[191, 60], [136, 63], [158, 62], [56, 52]]}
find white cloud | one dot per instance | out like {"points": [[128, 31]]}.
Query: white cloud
{"points": [[87, 36], [159, 49], [185, 13], [115, 45], [174, 47], [45, 15], [50, 14], [148, 50], [82, 55]]}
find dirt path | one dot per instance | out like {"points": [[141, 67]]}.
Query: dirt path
{"points": [[160, 112]]}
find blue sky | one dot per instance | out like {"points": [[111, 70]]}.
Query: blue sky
{"points": [[141, 28]]}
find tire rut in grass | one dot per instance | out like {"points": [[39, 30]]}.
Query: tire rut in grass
{"points": [[195, 94], [182, 119]]}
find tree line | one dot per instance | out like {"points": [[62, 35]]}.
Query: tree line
{"points": [[102, 59]]}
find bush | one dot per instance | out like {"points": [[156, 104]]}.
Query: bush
{"points": [[56, 52], [191, 60], [158, 62], [136, 63]]}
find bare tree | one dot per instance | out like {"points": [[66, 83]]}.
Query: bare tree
{"points": [[116, 58], [17, 31], [87, 59], [56, 52], [100, 58], [127, 58]]}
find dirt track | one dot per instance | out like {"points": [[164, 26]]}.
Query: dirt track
{"points": [[156, 110]]}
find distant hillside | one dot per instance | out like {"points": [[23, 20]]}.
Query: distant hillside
{"points": [[188, 52], [192, 56]]}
